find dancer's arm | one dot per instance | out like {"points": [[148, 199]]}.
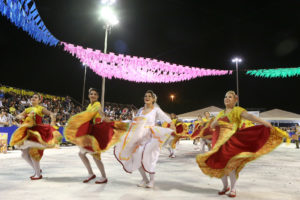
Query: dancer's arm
{"points": [[21, 115], [214, 123], [51, 114], [162, 116], [102, 114], [255, 119]]}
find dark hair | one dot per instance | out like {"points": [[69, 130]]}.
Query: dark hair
{"points": [[40, 97], [93, 89]]}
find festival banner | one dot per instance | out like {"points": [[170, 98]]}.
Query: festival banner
{"points": [[137, 69], [25, 15], [275, 73]]}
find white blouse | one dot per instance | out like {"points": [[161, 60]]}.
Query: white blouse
{"points": [[156, 114]]}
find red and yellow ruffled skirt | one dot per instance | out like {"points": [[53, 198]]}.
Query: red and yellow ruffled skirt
{"points": [[93, 136], [181, 132], [36, 137], [233, 150], [202, 131]]}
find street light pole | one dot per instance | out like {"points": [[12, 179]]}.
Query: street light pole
{"points": [[236, 61], [108, 16], [83, 89], [107, 27], [237, 81]]}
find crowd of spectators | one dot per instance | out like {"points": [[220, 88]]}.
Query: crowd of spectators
{"points": [[12, 104], [119, 111]]}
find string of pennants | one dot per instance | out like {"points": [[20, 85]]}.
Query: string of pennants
{"points": [[24, 15]]}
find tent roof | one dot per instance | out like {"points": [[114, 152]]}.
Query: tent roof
{"points": [[194, 114], [277, 114]]}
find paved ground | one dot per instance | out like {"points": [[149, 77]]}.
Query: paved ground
{"points": [[274, 176]]}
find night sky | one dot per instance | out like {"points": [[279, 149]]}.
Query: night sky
{"points": [[265, 34]]}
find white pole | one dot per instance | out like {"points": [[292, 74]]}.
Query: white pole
{"points": [[237, 81], [103, 79], [83, 89]]}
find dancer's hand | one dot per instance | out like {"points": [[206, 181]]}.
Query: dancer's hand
{"points": [[53, 116], [214, 124], [20, 117], [106, 119], [137, 119], [267, 124]]}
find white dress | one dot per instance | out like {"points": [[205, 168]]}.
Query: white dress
{"points": [[140, 146]]}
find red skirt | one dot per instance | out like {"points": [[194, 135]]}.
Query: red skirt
{"points": [[247, 140], [93, 135], [233, 150]]}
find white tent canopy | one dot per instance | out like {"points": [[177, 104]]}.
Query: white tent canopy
{"points": [[194, 114], [277, 115]]}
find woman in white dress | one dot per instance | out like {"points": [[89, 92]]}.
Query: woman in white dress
{"points": [[140, 146]]}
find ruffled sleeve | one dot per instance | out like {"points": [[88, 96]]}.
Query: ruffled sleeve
{"points": [[139, 112], [236, 114], [94, 107], [39, 111], [221, 113], [162, 116], [28, 110]]}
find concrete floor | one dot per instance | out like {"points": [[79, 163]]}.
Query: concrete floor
{"points": [[274, 176]]}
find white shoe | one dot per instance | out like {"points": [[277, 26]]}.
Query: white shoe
{"points": [[172, 156], [150, 185], [142, 184]]}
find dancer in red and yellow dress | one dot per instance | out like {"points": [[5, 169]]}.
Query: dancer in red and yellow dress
{"points": [[233, 148], [246, 124], [32, 137], [197, 123], [181, 132], [93, 133], [201, 133]]}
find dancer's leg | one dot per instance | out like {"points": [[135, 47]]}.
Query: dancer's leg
{"points": [[232, 176], [151, 183], [168, 145], [37, 169], [100, 166], [173, 153], [225, 185], [144, 176], [225, 182], [87, 165], [86, 162], [26, 157], [202, 146], [297, 144], [170, 151]]}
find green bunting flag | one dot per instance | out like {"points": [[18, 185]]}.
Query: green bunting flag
{"points": [[275, 73]]}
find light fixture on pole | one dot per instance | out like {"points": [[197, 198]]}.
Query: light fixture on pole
{"points": [[108, 2], [237, 61], [172, 96], [83, 90], [109, 18]]}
